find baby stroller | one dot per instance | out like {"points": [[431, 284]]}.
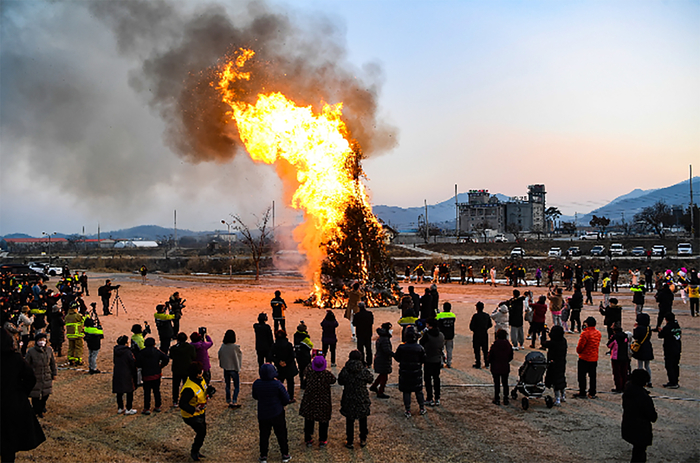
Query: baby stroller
{"points": [[531, 380]]}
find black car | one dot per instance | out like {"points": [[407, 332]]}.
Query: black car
{"points": [[22, 272]]}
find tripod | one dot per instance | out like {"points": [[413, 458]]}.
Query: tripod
{"points": [[116, 303]]}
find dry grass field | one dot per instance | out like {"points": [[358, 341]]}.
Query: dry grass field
{"points": [[82, 423]]}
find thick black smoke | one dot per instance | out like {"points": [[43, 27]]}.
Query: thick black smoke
{"points": [[304, 59]]}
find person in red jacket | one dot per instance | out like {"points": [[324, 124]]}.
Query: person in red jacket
{"points": [[587, 350]]}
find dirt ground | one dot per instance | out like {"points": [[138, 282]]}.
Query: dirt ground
{"points": [[82, 423]]}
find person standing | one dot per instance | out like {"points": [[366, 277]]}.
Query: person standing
{"points": [[426, 306], [492, 273], [355, 403], [354, 297], [143, 271], [415, 297], [664, 297], [433, 341], [21, 430], [84, 284], [538, 276], [124, 376], [176, 305], [105, 293], [193, 406], [638, 412], [382, 360], [588, 286], [557, 348], [364, 322], [302, 352], [446, 323], [329, 339], [263, 339], [230, 360], [576, 305], [57, 330], [516, 320], [539, 317], [462, 273], [41, 359], [638, 297], [93, 339], [556, 302], [75, 333], [182, 354], [164, 325], [202, 343], [24, 323], [671, 334], [282, 355], [587, 350], [272, 397], [619, 358], [613, 315], [614, 278], [645, 352], [500, 355], [649, 278], [279, 307], [606, 289], [151, 361], [316, 402], [479, 326], [411, 357]]}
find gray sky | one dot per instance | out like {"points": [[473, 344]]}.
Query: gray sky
{"points": [[593, 99]]}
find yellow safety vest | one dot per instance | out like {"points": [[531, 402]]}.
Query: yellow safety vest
{"points": [[75, 323], [200, 396]]}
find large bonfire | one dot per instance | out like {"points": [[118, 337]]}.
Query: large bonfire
{"points": [[314, 153]]}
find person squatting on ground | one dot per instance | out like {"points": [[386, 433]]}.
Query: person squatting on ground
{"points": [[278, 311], [638, 412], [671, 334], [124, 376], [500, 355], [230, 360], [619, 358], [433, 341], [556, 359], [316, 403], [263, 339], [411, 357], [355, 403], [93, 339], [479, 325], [282, 355], [182, 354], [382, 360], [329, 339], [272, 397], [446, 323], [587, 350], [193, 406], [364, 322], [41, 359], [21, 430], [302, 351], [642, 349], [151, 361]]}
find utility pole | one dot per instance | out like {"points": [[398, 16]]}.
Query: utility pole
{"points": [[692, 212], [456, 214], [175, 225], [427, 224], [273, 216]]}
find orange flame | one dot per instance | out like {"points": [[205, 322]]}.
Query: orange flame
{"points": [[277, 131]]}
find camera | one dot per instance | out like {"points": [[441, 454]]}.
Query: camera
{"points": [[147, 328], [202, 330]]}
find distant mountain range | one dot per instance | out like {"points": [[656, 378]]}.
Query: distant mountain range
{"points": [[142, 232]]}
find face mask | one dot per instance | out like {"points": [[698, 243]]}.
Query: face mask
{"points": [[391, 331], [41, 343]]}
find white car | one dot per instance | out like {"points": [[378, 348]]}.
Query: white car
{"points": [[500, 239], [658, 250], [616, 249], [554, 252], [685, 249], [589, 236], [517, 252], [46, 269]]}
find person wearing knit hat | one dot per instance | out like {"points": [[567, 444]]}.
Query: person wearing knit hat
{"points": [[316, 404], [638, 412], [302, 351]]}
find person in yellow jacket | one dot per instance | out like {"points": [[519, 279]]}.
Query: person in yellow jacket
{"points": [[193, 406], [75, 326]]}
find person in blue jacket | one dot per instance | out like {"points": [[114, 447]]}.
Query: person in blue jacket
{"points": [[272, 397]]}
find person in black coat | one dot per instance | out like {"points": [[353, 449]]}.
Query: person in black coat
{"points": [[576, 304], [434, 300], [619, 358], [638, 412], [263, 339], [364, 321], [282, 355], [426, 306], [642, 334], [556, 360], [613, 315], [411, 357], [671, 334], [382, 360], [416, 300], [124, 376], [479, 325], [665, 300], [182, 354], [21, 430], [151, 361], [500, 355]]}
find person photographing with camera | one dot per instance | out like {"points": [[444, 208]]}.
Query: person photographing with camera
{"points": [[105, 293], [176, 304], [202, 343], [193, 406]]}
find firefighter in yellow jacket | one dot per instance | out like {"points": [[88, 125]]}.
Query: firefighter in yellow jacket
{"points": [[193, 405], [75, 326]]}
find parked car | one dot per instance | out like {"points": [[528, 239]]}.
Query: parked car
{"points": [[589, 236], [554, 252], [22, 272], [639, 251], [500, 239], [573, 251], [46, 269], [517, 252], [658, 250], [685, 249], [598, 250], [616, 249]]}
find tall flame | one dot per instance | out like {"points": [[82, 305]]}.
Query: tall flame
{"points": [[324, 168]]}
